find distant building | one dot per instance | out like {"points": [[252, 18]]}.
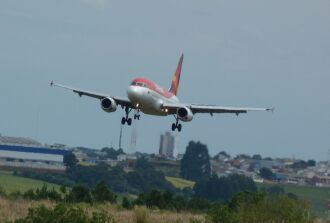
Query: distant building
{"points": [[27, 153], [166, 146]]}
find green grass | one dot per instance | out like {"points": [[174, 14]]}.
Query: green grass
{"points": [[180, 183], [11, 183], [319, 197]]}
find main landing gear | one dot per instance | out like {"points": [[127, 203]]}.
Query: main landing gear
{"points": [[176, 125], [128, 120]]}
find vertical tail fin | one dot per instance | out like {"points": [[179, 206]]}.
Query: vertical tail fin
{"points": [[176, 78]]}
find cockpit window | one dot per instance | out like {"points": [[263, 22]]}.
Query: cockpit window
{"points": [[138, 84]]}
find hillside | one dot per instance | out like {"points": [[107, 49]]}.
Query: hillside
{"points": [[317, 196], [11, 183]]}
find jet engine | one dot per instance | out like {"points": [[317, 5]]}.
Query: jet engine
{"points": [[108, 105], [185, 114]]}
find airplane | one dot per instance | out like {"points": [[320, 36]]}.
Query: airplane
{"points": [[146, 96]]}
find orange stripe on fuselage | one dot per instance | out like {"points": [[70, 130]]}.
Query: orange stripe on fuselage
{"points": [[152, 86]]}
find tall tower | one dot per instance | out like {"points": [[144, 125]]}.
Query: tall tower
{"points": [[120, 136]]}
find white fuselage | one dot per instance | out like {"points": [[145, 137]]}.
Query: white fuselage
{"points": [[149, 101]]}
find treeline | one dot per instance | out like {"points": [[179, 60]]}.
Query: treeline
{"points": [[223, 188], [79, 193], [250, 207], [244, 207], [64, 213], [143, 178]]}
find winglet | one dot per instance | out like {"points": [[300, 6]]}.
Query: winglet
{"points": [[52, 83], [176, 77], [271, 109]]}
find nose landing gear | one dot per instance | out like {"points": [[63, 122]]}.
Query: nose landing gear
{"points": [[176, 125], [137, 114]]}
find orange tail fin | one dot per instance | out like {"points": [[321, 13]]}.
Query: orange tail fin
{"points": [[176, 78]]}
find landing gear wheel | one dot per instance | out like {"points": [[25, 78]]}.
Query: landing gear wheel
{"points": [[137, 117], [173, 127], [179, 127], [123, 120], [129, 121]]}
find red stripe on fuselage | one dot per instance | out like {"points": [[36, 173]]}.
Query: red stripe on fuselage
{"points": [[152, 86]]}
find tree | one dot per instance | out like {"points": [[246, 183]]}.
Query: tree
{"points": [[63, 189], [112, 153], [2, 191], [70, 160], [311, 163], [257, 207], [198, 204], [101, 193], [64, 213], [301, 164], [126, 203], [195, 164], [275, 190], [257, 157], [145, 177], [223, 188], [79, 193], [266, 173]]}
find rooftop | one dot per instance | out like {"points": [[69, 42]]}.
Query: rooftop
{"points": [[6, 140]]}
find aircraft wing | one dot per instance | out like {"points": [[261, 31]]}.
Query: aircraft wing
{"points": [[211, 109], [119, 100]]}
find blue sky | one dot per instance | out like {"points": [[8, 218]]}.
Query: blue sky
{"points": [[251, 53]]}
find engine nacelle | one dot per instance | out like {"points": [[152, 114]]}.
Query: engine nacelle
{"points": [[108, 105], [185, 114]]}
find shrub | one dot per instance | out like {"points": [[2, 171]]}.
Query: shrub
{"points": [[101, 193], [2, 192], [42, 193], [250, 207], [64, 213], [194, 220], [126, 203], [141, 215], [79, 193]]}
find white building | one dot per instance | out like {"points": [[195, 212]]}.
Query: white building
{"points": [[167, 144], [27, 153]]}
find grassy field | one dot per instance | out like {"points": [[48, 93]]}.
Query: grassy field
{"points": [[11, 183], [180, 183], [14, 209], [318, 197], [8, 213]]}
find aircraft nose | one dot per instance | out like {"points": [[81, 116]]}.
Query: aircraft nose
{"points": [[133, 93]]}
